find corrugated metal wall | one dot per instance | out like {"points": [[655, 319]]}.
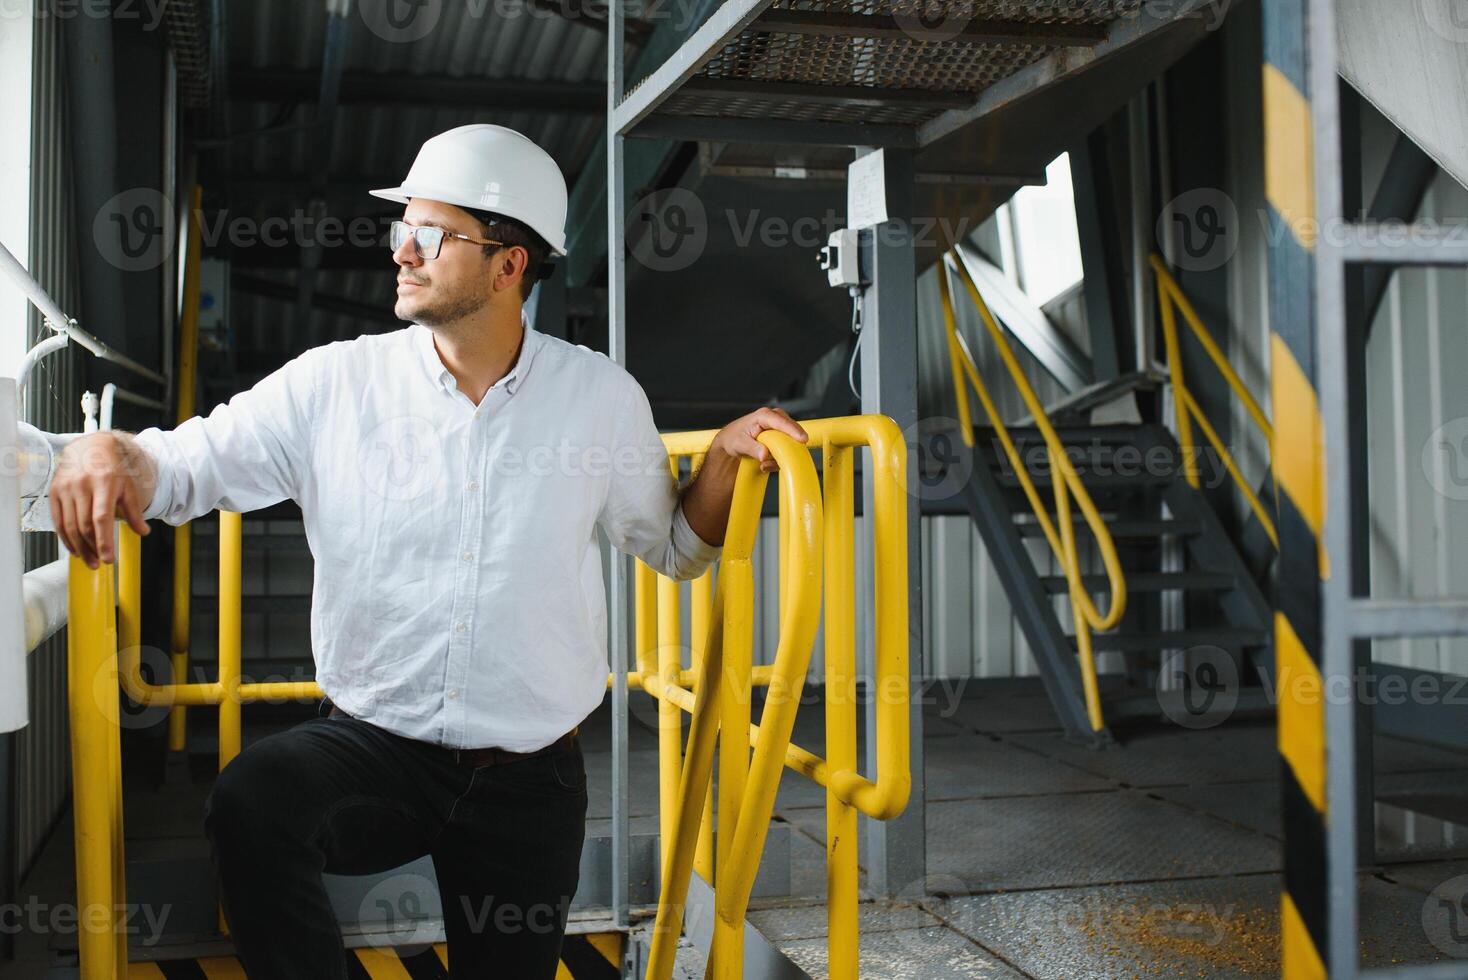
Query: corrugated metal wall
{"points": [[42, 749]]}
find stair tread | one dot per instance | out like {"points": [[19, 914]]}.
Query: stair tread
{"points": [[1092, 481], [1180, 639], [1126, 528], [1149, 581], [1117, 434]]}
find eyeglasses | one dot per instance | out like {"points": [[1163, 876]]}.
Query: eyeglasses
{"points": [[427, 240]]}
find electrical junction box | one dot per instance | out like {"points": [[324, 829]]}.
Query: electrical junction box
{"points": [[841, 258]]}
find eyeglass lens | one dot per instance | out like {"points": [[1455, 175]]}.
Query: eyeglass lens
{"points": [[427, 240]]}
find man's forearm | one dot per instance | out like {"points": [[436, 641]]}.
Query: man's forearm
{"points": [[139, 465], [707, 497]]}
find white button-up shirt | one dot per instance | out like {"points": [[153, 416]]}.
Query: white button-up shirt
{"points": [[458, 593]]}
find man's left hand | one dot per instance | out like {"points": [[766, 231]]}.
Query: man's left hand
{"points": [[740, 437]]}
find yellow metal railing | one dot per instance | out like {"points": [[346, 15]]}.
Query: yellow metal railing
{"points": [[96, 766], [816, 533], [1065, 481], [1170, 299], [815, 537]]}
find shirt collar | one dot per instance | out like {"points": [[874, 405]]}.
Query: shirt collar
{"points": [[434, 365]]}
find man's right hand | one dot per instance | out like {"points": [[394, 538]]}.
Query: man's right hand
{"points": [[99, 477]]}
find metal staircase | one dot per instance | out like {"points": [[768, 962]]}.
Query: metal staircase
{"points": [[1071, 512], [1134, 475]]}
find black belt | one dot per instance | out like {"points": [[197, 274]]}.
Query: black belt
{"points": [[491, 756]]}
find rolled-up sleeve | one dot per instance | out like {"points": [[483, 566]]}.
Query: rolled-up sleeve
{"points": [[247, 454], [643, 514]]}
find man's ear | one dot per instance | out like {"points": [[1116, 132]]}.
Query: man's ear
{"points": [[506, 262]]}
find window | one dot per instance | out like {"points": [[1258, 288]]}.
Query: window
{"points": [[1039, 224]]}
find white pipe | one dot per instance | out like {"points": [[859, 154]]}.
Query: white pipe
{"points": [[111, 391], [11, 266], [33, 357], [13, 707], [44, 591], [62, 323], [90, 404]]}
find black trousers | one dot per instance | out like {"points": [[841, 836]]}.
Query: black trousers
{"points": [[343, 796]]}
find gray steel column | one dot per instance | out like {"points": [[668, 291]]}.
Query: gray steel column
{"points": [[618, 604], [896, 849], [1332, 380], [1357, 328]]}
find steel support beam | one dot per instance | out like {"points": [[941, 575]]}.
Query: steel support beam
{"points": [[1409, 173], [391, 89], [1357, 326], [861, 96], [896, 849], [1309, 319], [726, 23], [1098, 222], [976, 31], [620, 620], [1028, 81], [786, 131]]}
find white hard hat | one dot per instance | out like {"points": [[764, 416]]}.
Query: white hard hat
{"points": [[483, 167]]}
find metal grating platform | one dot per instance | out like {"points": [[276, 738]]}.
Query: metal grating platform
{"points": [[1217, 928], [835, 49], [1088, 838], [883, 69]]}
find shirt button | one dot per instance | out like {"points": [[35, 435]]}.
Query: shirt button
{"points": [[461, 627], [454, 693], [467, 556], [473, 486]]}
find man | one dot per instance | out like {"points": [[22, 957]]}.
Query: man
{"points": [[451, 475]]}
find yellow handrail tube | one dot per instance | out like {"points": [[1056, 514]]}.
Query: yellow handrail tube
{"points": [[1170, 299], [1066, 483], [720, 681]]}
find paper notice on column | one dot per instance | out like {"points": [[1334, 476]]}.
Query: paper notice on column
{"points": [[866, 191], [13, 713]]}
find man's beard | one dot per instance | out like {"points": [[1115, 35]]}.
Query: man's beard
{"points": [[446, 310]]}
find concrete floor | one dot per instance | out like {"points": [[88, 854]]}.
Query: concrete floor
{"points": [[1156, 858]]}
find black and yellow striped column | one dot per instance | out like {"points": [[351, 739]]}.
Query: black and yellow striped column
{"points": [[1299, 469]]}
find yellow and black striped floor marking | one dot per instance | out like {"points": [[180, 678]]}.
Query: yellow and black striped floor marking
{"points": [[585, 956], [1299, 470]]}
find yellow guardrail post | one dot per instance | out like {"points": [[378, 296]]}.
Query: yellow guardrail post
{"points": [[1171, 299], [701, 592], [231, 598], [1066, 481], [96, 758], [842, 857]]}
